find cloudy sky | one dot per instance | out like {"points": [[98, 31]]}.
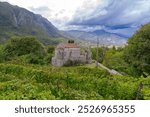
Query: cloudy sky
{"points": [[123, 17]]}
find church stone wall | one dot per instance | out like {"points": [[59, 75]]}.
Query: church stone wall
{"points": [[74, 54]]}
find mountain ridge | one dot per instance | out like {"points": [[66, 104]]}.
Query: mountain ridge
{"points": [[19, 21], [105, 38]]}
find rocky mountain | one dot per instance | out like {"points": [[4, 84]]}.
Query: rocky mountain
{"points": [[16, 21], [105, 38]]}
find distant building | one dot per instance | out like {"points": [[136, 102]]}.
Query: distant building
{"points": [[70, 51]]}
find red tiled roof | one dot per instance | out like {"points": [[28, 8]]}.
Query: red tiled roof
{"points": [[68, 45]]}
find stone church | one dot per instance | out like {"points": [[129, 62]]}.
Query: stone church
{"points": [[70, 51]]}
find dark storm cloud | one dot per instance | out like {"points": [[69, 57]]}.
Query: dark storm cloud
{"points": [[115, 14]]}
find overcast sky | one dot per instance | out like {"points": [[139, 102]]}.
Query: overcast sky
{"points": [[117, 16], [58, 12]]}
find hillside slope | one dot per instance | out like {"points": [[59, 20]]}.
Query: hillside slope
{"points": [[19, 21], [46, 82]]}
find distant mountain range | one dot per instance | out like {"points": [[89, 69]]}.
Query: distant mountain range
{"points": [[105, 38], [17, 21]]}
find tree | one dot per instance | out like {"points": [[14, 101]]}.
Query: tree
{"points": [[24, 49], [137, 52], [50, 49], [101, 53], [18, 46]]}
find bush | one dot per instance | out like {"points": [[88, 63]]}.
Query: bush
{"points": [[50, 52], [50, 49], [19, 46], [73, 63], [1, 54], [33, 59], [23, 50], [101, 54], [137, 52]]}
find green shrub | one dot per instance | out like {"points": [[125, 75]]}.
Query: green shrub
{"points": [[46, 82], [137, 52], [23, 50], [50, 49], [19, 46], [73, 63]]}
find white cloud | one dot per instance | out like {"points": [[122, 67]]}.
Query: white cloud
{"points": [[55, 10], [120, 16], [82, 28]]}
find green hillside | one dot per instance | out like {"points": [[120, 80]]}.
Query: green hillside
{"points": [[17, 21], [47, 82], [26, 71]]}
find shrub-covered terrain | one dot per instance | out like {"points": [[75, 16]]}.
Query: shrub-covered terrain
{"points": [[47, 82], [26, 73]]}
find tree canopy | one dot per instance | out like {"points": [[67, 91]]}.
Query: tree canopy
{"points": [[137, 52], [24, 45]]}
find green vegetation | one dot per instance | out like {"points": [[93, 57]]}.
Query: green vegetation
{"points": [[114, 59], [134, 59], [47, 82], [101, 53], [25, 50], [16, 21], [22, 46], [137, 53], [26, 73]]}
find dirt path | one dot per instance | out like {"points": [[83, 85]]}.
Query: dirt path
{"points": [[111, 71]]}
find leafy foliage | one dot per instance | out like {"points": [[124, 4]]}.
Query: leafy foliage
{"points": [[137, 53], [23, 76], [114, 59], [46, 82], [101, 53], [23, 50], [24, 45]]}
